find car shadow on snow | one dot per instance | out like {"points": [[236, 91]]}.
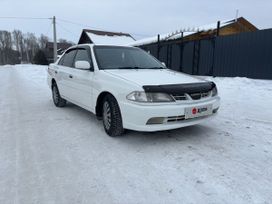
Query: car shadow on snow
{"points": [[191, 133], [75, 108]]}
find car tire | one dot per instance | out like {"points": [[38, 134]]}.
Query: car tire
{"points": [[112, 119], [58, 101]]}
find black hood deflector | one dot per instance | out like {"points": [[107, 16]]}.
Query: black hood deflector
{"points": [[180, 88]]}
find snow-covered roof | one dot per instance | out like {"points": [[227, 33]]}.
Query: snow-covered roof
{"points": [[110, 40], [106, 38], [177, 34]]}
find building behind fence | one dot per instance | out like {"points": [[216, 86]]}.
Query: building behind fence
{"points": [[229, 49], [246, 54]]}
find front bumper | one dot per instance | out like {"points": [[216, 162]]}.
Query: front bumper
{"points": [[135, 115]]}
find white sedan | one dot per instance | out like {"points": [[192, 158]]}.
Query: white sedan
{"points": [[129, 89]]}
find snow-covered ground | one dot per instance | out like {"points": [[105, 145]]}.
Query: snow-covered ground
{"points": [[62, 155]]}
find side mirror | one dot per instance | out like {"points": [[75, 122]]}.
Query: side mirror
{"points": [[163, 63], [82, 65]]}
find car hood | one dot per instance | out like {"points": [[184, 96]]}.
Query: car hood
{"points": [[154, 77]]}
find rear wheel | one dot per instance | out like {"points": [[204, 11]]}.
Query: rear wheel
{"points": [[58, 101], [112, 119]]}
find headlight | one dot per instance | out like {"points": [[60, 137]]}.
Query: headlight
{"points": [[141, 96], [214, 91]]}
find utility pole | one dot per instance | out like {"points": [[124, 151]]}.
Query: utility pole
{"points": [[158, 47], [55, 39], [237, 15], [218, 28]]}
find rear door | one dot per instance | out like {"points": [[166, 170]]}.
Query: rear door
{"points": [[64, 74], [82, 80]]}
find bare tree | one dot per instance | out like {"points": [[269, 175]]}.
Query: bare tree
{"points": [[65, 41], [43, 40], [2, 47], [2, 41], [16, 34], [31, 45], [18, 41], [5, 45], [16, 47], [5, 40], [62, 40]]}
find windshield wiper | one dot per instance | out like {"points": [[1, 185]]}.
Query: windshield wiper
{"points": [[140, 67], [130, 67], [155, 68]]}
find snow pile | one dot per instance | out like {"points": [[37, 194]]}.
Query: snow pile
{"points": [[110, 40], [62, 155]]}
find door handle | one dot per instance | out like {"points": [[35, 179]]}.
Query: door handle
{"points": [[70, 76]]}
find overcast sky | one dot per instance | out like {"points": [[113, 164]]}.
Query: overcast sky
{"points": [[140, 18]]}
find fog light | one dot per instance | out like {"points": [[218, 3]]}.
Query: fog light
{"points": [[156, 120], [215, 110]]}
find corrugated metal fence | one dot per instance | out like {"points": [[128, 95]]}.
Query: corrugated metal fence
{"points": [[244, 55]]}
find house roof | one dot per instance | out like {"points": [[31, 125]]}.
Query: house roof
{"points": [[105, 37], [241, 22]]}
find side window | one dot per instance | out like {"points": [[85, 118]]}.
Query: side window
{"points": [[83, 55], [68, 58], [61, 60]]}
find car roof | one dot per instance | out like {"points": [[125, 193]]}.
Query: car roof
{"points": [[92, 45]]}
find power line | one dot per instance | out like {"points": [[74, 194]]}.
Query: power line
{"points": [[28, 18], [24, 18], [49, 29], [78, 24], [87, 26], [143, 35], [67, 30], [63, 20]]}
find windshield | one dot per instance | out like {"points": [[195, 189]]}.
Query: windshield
{"points": [[110, 57]]}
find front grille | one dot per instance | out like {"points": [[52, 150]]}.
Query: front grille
{"points": [[197, 96], [193, 96], [175, 118], [179, 97]]}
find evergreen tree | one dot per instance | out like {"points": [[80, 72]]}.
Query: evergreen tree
{"points": [[40, 58]]}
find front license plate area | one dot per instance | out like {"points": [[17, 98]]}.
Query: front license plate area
{"points": [[198, 111]]}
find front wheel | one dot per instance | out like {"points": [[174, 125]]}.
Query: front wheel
{"points": [[58, 101], [112, 119]]}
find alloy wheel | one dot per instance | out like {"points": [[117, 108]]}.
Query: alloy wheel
{"points": [[55, 94], [106, 115]]}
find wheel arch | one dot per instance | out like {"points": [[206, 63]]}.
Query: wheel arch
{"points": [[53, 81], [99, 104]]}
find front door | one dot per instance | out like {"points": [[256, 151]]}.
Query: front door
{"points": [[64, 73], [82, 80]]}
